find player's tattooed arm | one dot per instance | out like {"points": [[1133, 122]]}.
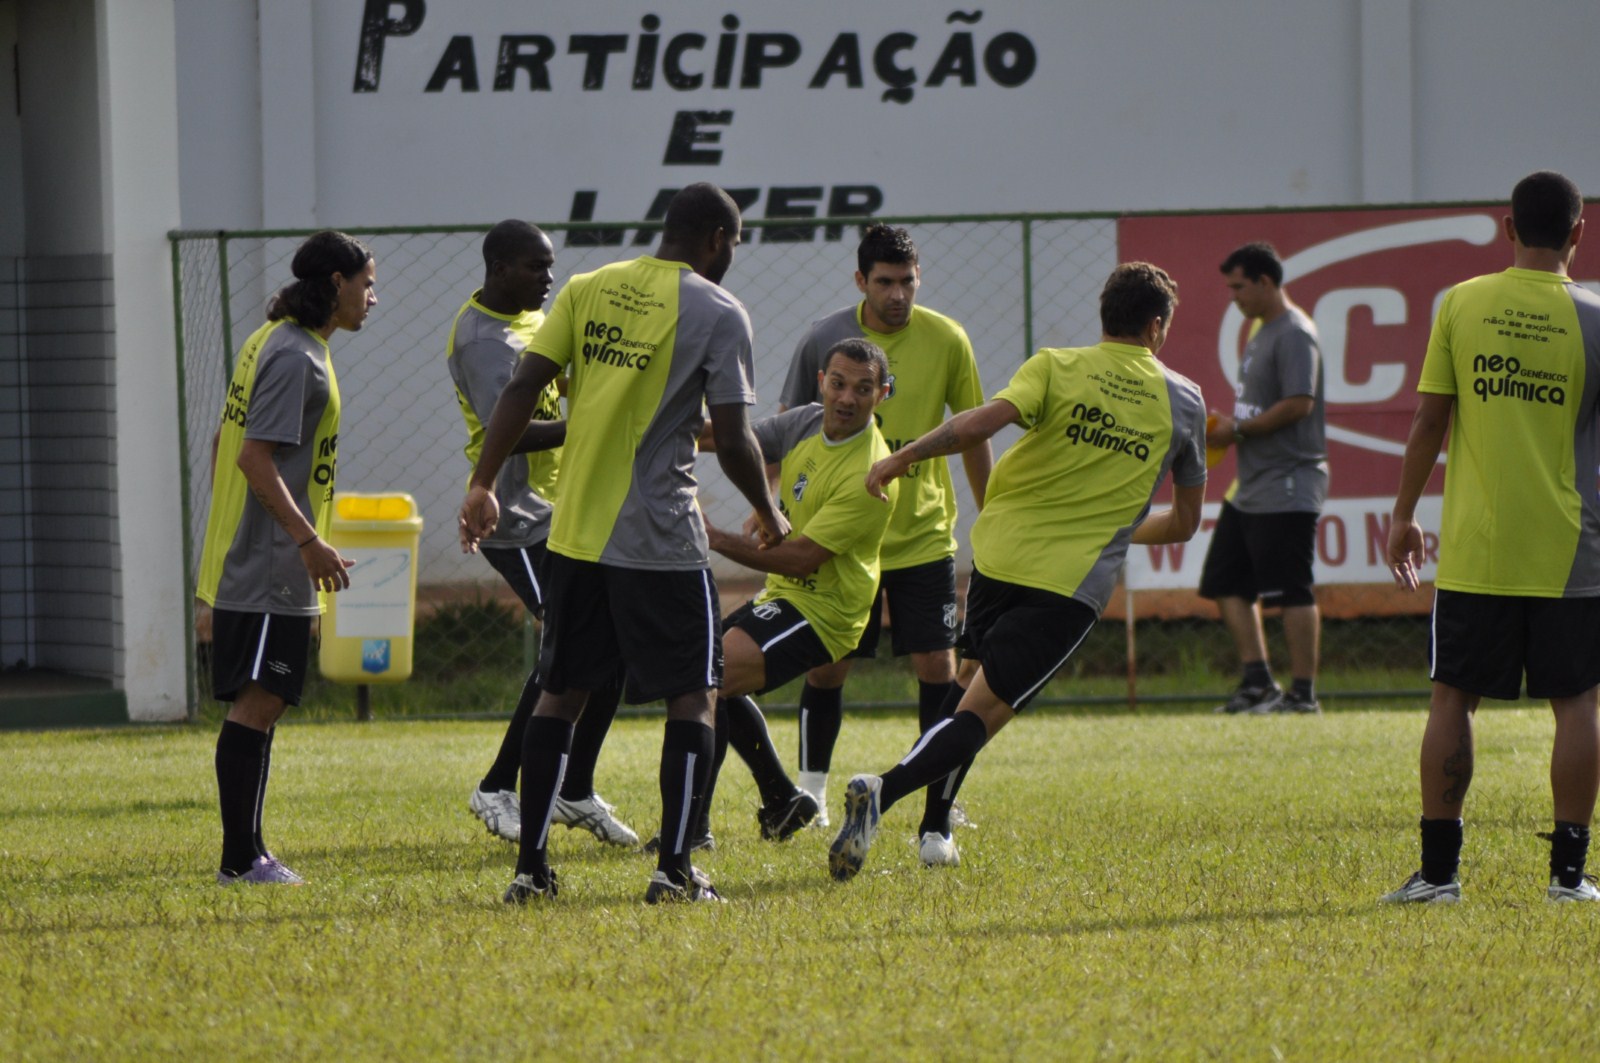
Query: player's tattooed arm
{"points": [[960, 433]]}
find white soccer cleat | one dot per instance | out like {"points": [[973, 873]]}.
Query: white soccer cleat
{"points": [[1418, 890], [938, 850], [1584, 891], [501, 812], [597, 817]]}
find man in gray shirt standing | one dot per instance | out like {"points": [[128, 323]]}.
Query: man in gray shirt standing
{"points": [[1262, 548]]}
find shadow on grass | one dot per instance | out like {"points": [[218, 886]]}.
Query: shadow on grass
{"points": [[119, 810], [1103, 924]]}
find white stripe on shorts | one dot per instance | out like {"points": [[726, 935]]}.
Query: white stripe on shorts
{"points": [[765, 646], [711, 625], [1046, 678], [261, 648], [527, 563]]}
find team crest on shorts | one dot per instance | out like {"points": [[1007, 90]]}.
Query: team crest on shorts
{"points": [[765, 611], [950, 615], [799, 487]]}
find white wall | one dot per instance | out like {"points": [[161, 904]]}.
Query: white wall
{"points": [[1133, 104], [141, 127]]}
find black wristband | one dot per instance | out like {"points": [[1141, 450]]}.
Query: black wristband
{"points": [[308, 542]]}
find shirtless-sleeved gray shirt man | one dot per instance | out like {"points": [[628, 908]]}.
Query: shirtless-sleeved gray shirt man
{"points": [[1284, 471], [482, 353]]}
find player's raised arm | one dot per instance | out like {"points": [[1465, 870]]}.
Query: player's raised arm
{"points": [[959, 434]]}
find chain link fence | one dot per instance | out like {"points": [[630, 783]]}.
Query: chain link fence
{"points": [[1015, 283]]}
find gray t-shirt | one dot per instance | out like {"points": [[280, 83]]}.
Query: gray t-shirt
{"points": [[289, 404], [1285, 471], [782, 432], [484, 349]]}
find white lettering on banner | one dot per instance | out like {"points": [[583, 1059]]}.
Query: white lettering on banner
{"points": [[1388, 307], [1352, 537]]}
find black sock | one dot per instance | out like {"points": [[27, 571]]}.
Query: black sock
{"points": [[940, 796], [931, 701], [950, 744], [1257, 674], [1305, 689], [821, 714], [1441, 850], [588, 735], [261, 791], [1569, 850], [502, 774], [241, 768], [747, 733], [687, 749], [545, 742], [719, 753]]}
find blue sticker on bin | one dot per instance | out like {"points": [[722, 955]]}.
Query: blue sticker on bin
{"points": [[375, 655]]}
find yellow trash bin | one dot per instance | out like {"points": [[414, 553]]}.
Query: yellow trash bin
{"points": [[367, 629]]}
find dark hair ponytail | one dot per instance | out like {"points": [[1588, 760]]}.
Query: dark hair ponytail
{"points": [[310, 299]]}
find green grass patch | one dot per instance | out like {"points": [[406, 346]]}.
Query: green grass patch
{"points": [[1137, 886]]}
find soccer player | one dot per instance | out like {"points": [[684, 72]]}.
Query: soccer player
{"points": [[264, 561], [1265, 539], [821, 581], [488, 336], [1104, 425], [1514, 361], [931, 369], [646, 343]]}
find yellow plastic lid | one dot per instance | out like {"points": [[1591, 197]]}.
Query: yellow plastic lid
{"points": [[374, 507]]}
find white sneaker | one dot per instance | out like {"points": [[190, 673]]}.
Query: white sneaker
{"points": [[597, 817], [938, 850], [501, 812], [1418, 890], [815, 783], [1583, 891]]}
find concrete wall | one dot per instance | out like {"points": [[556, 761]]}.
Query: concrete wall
{"points": [[1130, 104]]}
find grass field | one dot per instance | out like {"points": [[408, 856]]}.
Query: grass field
{"points": [[1137, 886]]}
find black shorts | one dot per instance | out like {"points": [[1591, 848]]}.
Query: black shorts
{"points": [[1021, 635], [523, 568], [922, 610], [788, 643], [262, 648], [1261, 555], [1482, 643], [658, 628]]}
